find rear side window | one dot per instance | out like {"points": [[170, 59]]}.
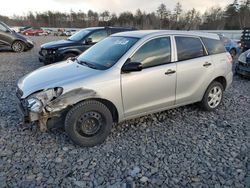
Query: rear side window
{"points": [[213, 46], [98, 36], [153, 53], [2, 28], [189, 48]]}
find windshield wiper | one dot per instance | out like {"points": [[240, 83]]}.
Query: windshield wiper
{"points": [[88, 64]]}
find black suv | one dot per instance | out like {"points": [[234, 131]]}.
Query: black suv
{"points": [[245, 39], [9, 38], [76, 44]]}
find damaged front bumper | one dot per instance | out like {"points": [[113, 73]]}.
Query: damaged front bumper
{"points": [[243, 69], [42, 117], [55, 106]]}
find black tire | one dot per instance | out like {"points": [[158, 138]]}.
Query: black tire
{"points": [[233, 53], [236, 69], [18, 46], [85, 117], [207, 99], [69, 55]]}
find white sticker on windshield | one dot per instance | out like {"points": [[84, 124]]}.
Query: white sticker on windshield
{"points": [[122, 41]]}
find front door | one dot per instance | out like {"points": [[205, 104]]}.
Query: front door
{"points": [[5, 36], [152, 88]]}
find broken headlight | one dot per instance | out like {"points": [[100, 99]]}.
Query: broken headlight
{"points": [[39, 100], [35, 105], [242, 58]]}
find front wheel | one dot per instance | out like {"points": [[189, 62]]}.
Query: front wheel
{"points": [[18, 46], [213, 96], [69, 55], [88, 123]]}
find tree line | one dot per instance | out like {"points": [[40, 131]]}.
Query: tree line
{"points": [[232, 17]]}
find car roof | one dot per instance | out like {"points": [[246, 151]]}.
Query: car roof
{"points": [[93, 28], [97, 28], [155, 33]]}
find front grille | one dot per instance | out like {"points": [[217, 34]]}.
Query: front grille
{"points": [[244, 64]]}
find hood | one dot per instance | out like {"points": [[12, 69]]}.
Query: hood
{"points": [[244, 57], [19, 36], [59, 44], [55, 75]]}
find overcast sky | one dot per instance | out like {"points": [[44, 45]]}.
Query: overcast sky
{"points": [[18, 7]]}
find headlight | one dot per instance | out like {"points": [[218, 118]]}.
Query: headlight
{"points": [[44, 52], [35, 105], [242, 58], [39, 100], [29, 41]]}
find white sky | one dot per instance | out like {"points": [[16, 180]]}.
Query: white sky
{"points": [[19, 7]]}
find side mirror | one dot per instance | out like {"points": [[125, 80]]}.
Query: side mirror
{"points": [[131, 67], [88, 41]]}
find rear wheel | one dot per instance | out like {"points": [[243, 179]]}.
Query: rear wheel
{"points": [[213, 96], [88, 123], [18, 46]]}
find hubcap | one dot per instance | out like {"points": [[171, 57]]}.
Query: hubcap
{"points": [[89, 124], [214, 97], [17, 46]]}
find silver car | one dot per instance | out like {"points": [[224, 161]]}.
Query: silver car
{"points": [[125, 76]]}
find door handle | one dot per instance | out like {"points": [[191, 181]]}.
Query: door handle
{"points": [[170, 71], [207, 64]]}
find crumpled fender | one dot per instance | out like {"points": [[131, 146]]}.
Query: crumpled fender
{"points": [[70, 98]]}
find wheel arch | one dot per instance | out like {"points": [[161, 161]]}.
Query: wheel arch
{"points": [[16, 40], [222, 80], [112, 108], [72, 51]]}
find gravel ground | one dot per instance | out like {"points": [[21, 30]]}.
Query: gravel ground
{"points": [[184, 147]]}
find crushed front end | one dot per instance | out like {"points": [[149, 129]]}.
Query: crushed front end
{"points": [[243, 66], [36, 107]]}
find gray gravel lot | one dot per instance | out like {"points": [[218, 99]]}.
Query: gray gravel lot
{"points": [[184, 147]]}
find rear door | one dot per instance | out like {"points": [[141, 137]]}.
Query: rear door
{"points": [[194, 69]]}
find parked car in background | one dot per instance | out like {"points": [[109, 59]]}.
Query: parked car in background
{"points": [[70, 32], [231, 46], [243, 65], [48, 31], [34, 32], [21, 29], [60, 32], [245, 39], [12, 39], [76, 44], [127, 75]]}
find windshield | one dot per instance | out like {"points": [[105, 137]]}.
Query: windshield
{"points": [[79, 35], [106, 53]]}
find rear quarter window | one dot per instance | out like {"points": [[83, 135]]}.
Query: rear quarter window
{"points": [[189, 48], [214, 46]]}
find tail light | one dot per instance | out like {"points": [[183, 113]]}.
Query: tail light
{"points": [[230, 59]]}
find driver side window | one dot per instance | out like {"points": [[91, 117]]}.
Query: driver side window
{"points": [[98, 36], [154, 53]]}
